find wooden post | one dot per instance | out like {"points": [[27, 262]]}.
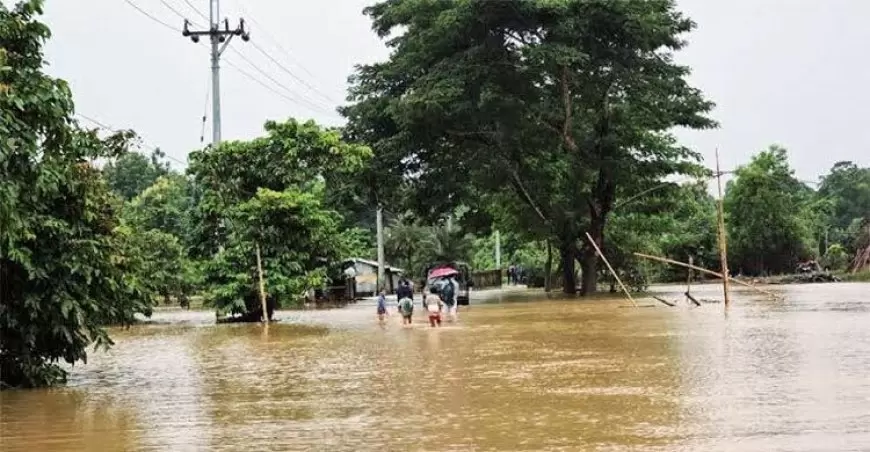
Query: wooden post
{"points": [[612, 271], [723, 246], [262, 287], [704, 270], [689, 279]]}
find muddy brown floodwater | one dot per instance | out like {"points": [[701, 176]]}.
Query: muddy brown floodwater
{"points": [[519, 375]]}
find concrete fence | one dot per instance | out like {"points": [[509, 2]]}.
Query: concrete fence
{"points": [[487, 279]]}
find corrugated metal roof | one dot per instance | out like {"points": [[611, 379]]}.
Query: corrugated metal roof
{"points": [[374, 264]]}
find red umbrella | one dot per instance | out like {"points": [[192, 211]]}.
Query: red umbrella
{"points": [[441, 272]]}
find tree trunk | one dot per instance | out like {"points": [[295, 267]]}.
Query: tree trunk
{"points": [[589, 267], [589, 259], [548, 269], [569, 282]]}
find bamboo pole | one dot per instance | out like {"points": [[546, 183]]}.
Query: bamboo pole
{"points": [[665, 302], [613, 272], [704, 270], [689, 279], [262, 287], [720, 226]]}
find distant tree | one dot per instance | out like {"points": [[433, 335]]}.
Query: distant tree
{"points": [[131, 173], [767, 212], [167, 205], [847, 188]]}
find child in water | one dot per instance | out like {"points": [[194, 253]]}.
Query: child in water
{"points": [[434, 308], [406, 308], [382, 305]]}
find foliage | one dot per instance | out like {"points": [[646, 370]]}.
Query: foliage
{"points": [[835, 258], [847, 188], [64, 272], [561, 107], [165, 206], [270, 192], [767, 212], [131, 173]]}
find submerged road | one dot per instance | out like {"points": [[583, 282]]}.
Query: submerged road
{"points": [[515, 373]]}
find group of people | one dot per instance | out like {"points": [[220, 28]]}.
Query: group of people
{"points": [[444, 301], [516, 274]]}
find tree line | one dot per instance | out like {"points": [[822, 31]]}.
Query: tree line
{"points": [[542, 120]]}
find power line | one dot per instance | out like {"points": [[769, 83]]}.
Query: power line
{"points": [[287, 53], [264, 85], [295, 77], [205, 110], [103, 126], [196, 10], [303, 99], [172, 8], [150, 16]]}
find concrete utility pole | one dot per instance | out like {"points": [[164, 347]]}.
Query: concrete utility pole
{"points": [[381, 254], [497, 250], [217, 36]]}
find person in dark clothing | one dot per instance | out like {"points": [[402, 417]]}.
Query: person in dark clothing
{"points": [[404, 290]]}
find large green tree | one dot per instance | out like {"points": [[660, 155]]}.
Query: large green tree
{"points": [[561, 107], [64, 269], [769, 215], [270, 192], [131, 173], [847, 188]]}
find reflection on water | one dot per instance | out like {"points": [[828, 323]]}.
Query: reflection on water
{"points": [[527, 375]]}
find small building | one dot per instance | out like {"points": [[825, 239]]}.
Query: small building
{"points": [[366, 276]]}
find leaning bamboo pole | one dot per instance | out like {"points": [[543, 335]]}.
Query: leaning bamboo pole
{"points": [[613, 272], [709, 272], [689, 279], [720, 227], [262, 286]]}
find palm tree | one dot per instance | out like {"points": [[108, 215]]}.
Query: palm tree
{"points": [[403, 242], [449, 244]]}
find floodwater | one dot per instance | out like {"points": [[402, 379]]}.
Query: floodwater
{"points": [[510, 375]]}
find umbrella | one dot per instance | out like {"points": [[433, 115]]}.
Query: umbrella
{"points": [[441, 272]]}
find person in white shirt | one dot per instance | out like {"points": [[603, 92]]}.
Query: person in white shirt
{"points": [[434, 308]]}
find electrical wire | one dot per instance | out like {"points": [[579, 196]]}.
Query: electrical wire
{"points": [[295, 77], [103, 126], [248, 75], [150, 16], [270, 37], [172, 8], [301, 100], [205, 109], [197, 11]]}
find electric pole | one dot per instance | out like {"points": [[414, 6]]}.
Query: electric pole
{"points": [[379, 220], [497, 250], [220, 39]]}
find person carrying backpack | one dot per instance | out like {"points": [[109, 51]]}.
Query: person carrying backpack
{"points": [[448, 296]]}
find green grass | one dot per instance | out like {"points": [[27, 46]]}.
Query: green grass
{"points": [[862, 276]]}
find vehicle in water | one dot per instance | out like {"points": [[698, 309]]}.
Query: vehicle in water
{"points": [[437, 273]]}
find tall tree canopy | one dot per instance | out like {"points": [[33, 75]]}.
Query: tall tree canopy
{"points": [[768, 212], [270, 192], [131, 173], [847, 188], [561, 106], [65, 270]]}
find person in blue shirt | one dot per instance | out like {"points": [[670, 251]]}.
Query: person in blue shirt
{"points": [[382, 305]]}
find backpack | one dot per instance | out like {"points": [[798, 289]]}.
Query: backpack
{"points": [[406, 305], [447, 292]]}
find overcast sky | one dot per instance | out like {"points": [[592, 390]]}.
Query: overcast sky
{"points": [[792, 72]]}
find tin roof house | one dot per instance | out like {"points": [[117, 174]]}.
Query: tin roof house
{"points": [[366, 276]]}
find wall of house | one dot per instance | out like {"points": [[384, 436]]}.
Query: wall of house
{"points": [[366, 279]]}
